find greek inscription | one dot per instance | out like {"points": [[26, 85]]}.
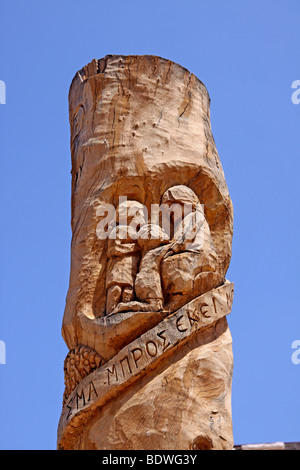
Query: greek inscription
{"points": [[214, 304], [179, 326], [80, 397], [128, 365], [136, 354], [69, 408], [152, 351], [204, 312], [192, 320], [92, 391], [112, 372], [229, 298], [166, 343]]}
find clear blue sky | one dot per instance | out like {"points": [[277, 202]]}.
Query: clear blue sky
{"points": [[247, 55]]}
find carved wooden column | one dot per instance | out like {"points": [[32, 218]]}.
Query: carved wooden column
{"points": [[150, 361]]}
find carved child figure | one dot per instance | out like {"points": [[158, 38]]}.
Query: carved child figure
{"points": [[123, 255], [154, 243]]}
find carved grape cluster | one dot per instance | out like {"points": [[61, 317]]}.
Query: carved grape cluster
{"points": [[80, 362]]}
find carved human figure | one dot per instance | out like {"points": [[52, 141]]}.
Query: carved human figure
{"points": [[174, 267], [193, 258], [154, 243], [123, 254], [190, 229]]}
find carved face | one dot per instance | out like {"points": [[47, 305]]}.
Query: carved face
{"points": [[180, 194], [179, 201], [130, 212]]}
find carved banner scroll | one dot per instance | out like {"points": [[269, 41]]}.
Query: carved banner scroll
{"points": [[146, 351], [150, 352]]}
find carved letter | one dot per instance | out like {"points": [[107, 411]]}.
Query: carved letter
{"points": [[135, 357], [151, 353], [203, 313], [165, 344], [69, 408], [92, 390], [121, 363], [80, 397], [179, 325], [191, 319], [113, 371], [229, 297]]}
